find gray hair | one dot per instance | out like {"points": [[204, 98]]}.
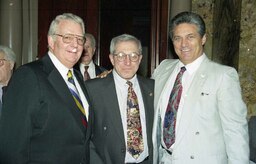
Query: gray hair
{"points": [[190, 18], [124, 38], [91, 38], [65, 16], [9, 54]]}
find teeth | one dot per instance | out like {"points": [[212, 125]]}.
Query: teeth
{"points": [[74, 50]]}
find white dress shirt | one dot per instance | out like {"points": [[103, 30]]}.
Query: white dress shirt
{"points": [[91, 69], [63, 71]]}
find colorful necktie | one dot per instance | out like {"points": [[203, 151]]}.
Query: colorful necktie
{"points": [[134, 130], [86, 73], [73, 90], [171, 111]]}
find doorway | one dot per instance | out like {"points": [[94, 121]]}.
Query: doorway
{"points": [[126, 16]]}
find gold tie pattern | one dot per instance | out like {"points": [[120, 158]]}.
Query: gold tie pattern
{"points": [[86, 73], [134, 130], [73, 90]]}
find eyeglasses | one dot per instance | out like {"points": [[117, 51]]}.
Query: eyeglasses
{"points": [[2, 62], [132, 56], [68, 38]]}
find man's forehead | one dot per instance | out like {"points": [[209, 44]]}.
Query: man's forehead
{"points": [[1, 55]]}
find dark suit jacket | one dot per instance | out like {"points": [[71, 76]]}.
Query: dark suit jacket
{"points": [[252, 135], [40, 120], [108, 136]]}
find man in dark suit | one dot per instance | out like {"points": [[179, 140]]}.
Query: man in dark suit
{"points": [[108, 97], [86, 66], [41, 122]]}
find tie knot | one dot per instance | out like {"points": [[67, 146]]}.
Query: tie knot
{"points": [[86, 67], [70, 74], [183, 69], [129, 83]]}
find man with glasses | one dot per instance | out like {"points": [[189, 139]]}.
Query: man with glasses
{"points": [[7, 63], [45, 118], [123, 108]]}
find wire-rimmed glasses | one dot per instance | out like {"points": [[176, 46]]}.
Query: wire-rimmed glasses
{"points": [[68, 38], [121, 56]]}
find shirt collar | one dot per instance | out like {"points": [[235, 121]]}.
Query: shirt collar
{"points": [[192, 67], [91, 65], [59, 66], [121, 81]]}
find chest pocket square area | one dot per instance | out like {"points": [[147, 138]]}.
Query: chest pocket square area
{"points": [[150, 94]]}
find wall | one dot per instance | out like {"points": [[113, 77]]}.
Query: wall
{"points": [[247, 50], [247, 54]]}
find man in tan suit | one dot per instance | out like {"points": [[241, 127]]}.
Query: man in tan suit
{"points": [[210, 120]]}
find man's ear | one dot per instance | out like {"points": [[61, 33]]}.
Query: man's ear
{"points": [[50, 42], [204, 39], [12, 64], [111, 58]]}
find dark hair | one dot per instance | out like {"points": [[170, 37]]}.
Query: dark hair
{"points": [[188, 17]]}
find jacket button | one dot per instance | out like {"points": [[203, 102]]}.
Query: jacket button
{"points": [[197, 133], [192, 157]]}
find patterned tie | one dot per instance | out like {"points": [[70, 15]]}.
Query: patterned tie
{"points": [[75, 94], [86, 74], [134, 131], [171, 111]]}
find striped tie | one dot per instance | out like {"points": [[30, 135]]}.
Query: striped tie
{"points": [[73, 90]]}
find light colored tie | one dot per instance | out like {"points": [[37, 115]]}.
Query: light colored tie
{"points": [[86, 73], [171, 111], [73, 90], [134, 129]]}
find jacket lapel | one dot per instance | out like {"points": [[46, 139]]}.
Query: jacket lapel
{"points": [[56, 80], [148, 97], [114, 105], [162, 81]]}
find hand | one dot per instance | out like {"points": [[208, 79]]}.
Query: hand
{"points": [[104, 74]]}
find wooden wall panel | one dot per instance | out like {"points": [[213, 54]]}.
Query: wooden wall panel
{"points": [[48, 10]]}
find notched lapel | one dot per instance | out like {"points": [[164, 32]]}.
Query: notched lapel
{"points": [[68, 102], [114, 106]]}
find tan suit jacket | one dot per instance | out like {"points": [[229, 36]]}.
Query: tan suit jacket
{"points": [[213, 127]]}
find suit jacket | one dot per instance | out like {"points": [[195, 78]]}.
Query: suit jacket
{"points": [[252, 134], [40, 120], [107, 134], [213, 127]]}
